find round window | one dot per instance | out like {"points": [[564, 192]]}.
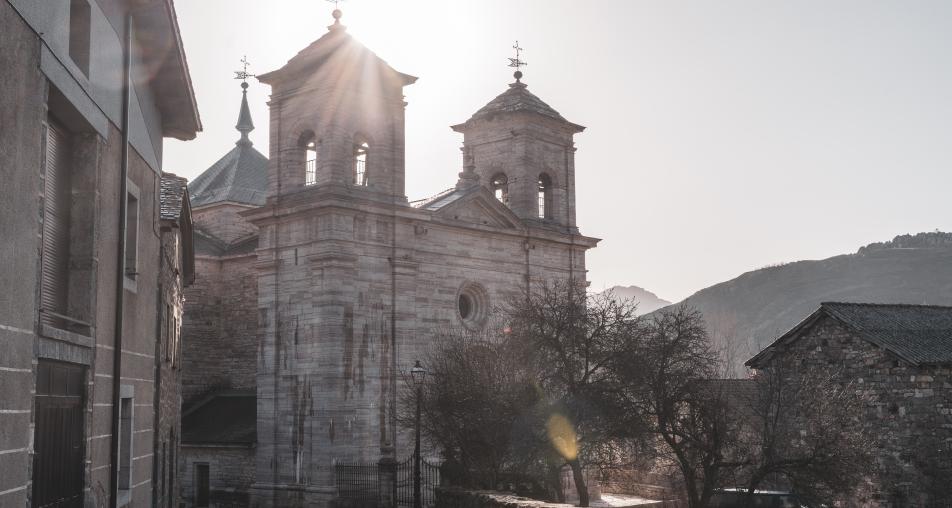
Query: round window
{"points": [[465, 306], [472, 303]]}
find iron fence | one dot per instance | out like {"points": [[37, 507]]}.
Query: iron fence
{"points": [[364, 484], [358, 482]]}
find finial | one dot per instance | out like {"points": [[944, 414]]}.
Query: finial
{"points": [[337, 13], [517, 63], [468, 177], [245, 125]]}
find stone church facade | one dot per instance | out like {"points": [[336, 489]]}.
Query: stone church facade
{"points": [[351, 280]]}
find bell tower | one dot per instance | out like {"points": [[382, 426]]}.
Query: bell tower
{"points": [[337, 120], [524, 152]]}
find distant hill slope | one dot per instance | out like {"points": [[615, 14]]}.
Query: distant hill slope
{"points": [[747, 313], [647, 301]]}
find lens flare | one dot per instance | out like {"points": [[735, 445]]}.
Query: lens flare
{"points": [[562, 435]]}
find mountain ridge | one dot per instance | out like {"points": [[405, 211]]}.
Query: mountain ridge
{"points": [[748, 312]]}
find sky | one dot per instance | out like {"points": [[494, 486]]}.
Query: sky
{"points": [[721, 136]]}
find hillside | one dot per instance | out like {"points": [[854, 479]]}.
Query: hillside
{"points": [[647, 301], [746, 313]]}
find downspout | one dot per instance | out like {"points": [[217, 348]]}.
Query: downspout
{"points": [[120, 262]]}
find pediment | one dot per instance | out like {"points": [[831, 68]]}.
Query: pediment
{"points": [[477, 207]]}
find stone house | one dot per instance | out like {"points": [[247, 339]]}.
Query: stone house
{"points": [[81, 135], [900, 358], [177, 271], [319, 282]]}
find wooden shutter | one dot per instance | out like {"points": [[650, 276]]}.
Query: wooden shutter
{"points": [[56, 202]]}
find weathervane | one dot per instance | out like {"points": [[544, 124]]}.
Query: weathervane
{"points": [[243, 74], [516, 62]]}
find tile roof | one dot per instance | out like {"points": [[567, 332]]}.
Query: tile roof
{"points": [[517, 98], [223, 418], [240, 176], [919, 334], [173, 188]]}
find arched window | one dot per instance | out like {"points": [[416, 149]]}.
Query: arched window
{"points": [[545, 196], [309, 143], [361, 150], [500, 187]]}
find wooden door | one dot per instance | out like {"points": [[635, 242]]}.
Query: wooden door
{"points": [[59, 436]]}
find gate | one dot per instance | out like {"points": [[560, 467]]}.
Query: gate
{"points": [[366, 485], [58, 462], [429, 480]]}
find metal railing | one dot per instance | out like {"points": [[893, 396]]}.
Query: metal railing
{"points": [[360, 172], [310, 172], [363, 484]]}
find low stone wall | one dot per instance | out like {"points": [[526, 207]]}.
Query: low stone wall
{"points": [[457, 498]]}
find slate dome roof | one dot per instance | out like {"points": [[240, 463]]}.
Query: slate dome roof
{"points": [[241, 176]]}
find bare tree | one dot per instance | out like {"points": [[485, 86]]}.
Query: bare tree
{"points": [[667, 378], [805, 432], [477, 406], [570, 338]]}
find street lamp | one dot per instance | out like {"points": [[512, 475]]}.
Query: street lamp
{"points": [[417, 374]]}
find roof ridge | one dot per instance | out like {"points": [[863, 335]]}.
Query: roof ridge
{"points": [[870, 304]]}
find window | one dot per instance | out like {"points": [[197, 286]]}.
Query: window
{"points": [[176, 329], [125, 443], [132, 232], [465, 306], [361, 149], [310, 161], [56, 223], [69, 192], [168, 333], [472, 305], [201, 485], [79, 31], [500, 187], [545, 196]]}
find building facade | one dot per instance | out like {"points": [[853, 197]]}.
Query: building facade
{"points": [[899, 357], [81, 133], [351, 280]]}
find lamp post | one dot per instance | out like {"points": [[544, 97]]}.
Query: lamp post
{"points": [[418, 374]]}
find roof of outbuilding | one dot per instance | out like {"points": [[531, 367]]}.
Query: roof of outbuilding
{"points": [[222, 418], [173, 193], [919, 334]]}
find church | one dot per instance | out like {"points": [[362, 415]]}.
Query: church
{"points": [[318, 283]]}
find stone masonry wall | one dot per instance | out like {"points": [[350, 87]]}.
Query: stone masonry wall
{"points": [[220, 326], [231, 472], [223, 221], [169, 363], [325, 300], [908, 411]]}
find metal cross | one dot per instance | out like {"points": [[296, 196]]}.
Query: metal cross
{"points": [[335, 2], [243, 73], [516, 62]]}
